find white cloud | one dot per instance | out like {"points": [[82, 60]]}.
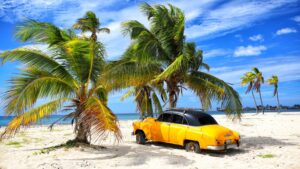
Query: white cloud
{"points": [[249, 50], [296, 18], [203, 18], [285, 31], [255, 38], [234, 16], [287, 68], [216, 52], [16, 10]]}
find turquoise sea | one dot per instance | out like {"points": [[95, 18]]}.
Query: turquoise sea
{"points": [[4, 120]]}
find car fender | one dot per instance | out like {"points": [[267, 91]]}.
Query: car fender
{"points": [[144, 126]]}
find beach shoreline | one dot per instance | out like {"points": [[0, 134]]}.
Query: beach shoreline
{"points": [[270, 141]]}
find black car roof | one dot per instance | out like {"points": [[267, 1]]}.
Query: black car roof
{"points": [[192, 115], [190, 111]]}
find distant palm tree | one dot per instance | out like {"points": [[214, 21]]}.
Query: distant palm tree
{"points": [[259, 79], [179, 60], [249, 79], [90, 23], [68, 75], [274, 81]]}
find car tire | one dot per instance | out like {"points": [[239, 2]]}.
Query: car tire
{"points": [[140, 137], [192, 147]]}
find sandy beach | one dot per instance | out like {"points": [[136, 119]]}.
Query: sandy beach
{"points": [[268, 141]]}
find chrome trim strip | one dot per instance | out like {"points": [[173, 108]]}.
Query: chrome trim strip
{"points": [[222, 147]]}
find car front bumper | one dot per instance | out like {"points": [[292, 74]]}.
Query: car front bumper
{"points": [[224, 147]]}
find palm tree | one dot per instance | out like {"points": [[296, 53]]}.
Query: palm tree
{"points": [[259, 79], [90, 23], [180, 62], [248, 79], [274, 81], [67, 76]]}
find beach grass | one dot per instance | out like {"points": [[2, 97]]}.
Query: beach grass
{"points": [[266, 155], [14, 143]]}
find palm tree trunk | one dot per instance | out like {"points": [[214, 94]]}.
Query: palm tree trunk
{"points": [[94, 35], [254, 101], [278, 104], [262, 104], [150, 109], [172, 102], [82, 135], [149, 102]]}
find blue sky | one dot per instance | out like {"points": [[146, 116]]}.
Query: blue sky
{"points": [[235, 36]]}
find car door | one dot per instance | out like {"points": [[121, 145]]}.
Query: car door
{"points": [[160, 130], [178, 129]]}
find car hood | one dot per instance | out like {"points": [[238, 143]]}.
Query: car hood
{"points": [[217, 131]]}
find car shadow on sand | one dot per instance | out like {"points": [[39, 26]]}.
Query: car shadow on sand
{"points": [[260, 142], [229, 152]]}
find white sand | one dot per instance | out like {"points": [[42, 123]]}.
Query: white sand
{"points": [[272, 133]]}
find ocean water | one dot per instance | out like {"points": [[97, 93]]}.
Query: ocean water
{"points": [[4, 120]]}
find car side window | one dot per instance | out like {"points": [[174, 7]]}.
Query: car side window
{"points": [[177, 119], [160, 118], [184, 121], [167, 117]]}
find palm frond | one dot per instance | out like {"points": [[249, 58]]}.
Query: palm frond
{"points": [[32, 116], [205, 66], [125, 73], [129, 93], [156, 103], [147, 10], [101, 119], [133, 28], [102, 94], [178, 65], [31, 85], [230, 100], [37, 59], [79, 58], [41, 32], [106, 30], [205, 89]]}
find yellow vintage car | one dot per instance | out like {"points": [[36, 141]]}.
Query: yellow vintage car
{"points": [[191, 128]]}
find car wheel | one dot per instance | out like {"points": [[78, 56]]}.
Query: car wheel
{"points": [[140, 137], [192, 147]]}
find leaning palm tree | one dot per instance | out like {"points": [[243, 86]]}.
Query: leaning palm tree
{"points": [[67, 76], [90, 23], [274, 81], [259, 79], [179, 61], [249, 79]]}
